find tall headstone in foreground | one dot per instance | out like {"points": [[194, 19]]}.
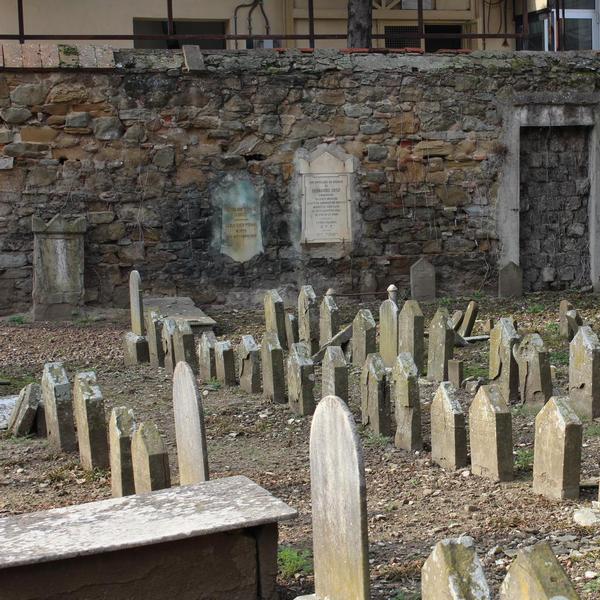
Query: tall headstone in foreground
{"points": [[364, 336], [557, 451], [490, 426], [88, 404], [329, 318], [468, 322], [308, 318], [448, 430], [301, 380], [275, 315], [422, 281], [453, 571], [22, 420], [504, 371], [563, 327], [334, 371], [249, 361], [207, 368], [121, 426], [375, 399], [225, 363], [404, 392], [584, 373], [441, 346], [535, 379], [58, 407], [388, 327], [150, 460], [337, 472], [510, 281], [154, 325], [58, 265], [192, 455], [273, 376], [411, 333]]}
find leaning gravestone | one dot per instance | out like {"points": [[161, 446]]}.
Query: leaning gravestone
{"points": [[58, 407], [275, 315], [456, 319], [404, 392], [375, 399], [249, 361], [503, 366], [557, 451], [535, 379], [273, 376], [22, 421], [422, 281], [192, 455], [364, 336], [441, 346], [150, 460], [301, 380], [468, 322], [510, 281], [334, 372], [225, 363], [584, 373], [411, 333], [120, 432], [308, 318], [388, 327], [329, 318], [206, 356], [448, 430]]}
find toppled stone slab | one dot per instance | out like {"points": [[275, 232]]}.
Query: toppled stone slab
{"points": [[181, 309], [343, 337], [7, 406], [22, 420]]}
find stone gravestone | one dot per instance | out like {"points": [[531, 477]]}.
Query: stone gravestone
{"points": [[249, 361], [241, 231], [135, 350], [58, 407], [339, 504], [121, 426], [510, 281], [206, 356], [275, 315], [584, 373], [411, 333], [192, 455], [574, 322], [563, 327], [441, 346], [334, 371], [535, 379], [136, 304], [557, 451], [456, 319], [490, 426], [468, 322], [364, 336], [291, 330], [308, 318], [301, 380], [150, 460], [448, 430], [88, 405], [58, 265], [404, 392], [22, 420], [422, 281], [375, 399], [168, 344], [329, 318], [456, 373], [273, 376], [504, 371], [453, 571], [184, 344], [388, 327], [154, 325], [225, 363]]}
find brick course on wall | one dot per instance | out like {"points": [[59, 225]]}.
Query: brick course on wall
{"points": [[139, 146]]}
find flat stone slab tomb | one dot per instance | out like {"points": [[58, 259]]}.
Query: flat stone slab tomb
{"points": [[183, 309], [216, 540]]}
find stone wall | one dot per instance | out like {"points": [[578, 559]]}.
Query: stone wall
{"points": [[140, 147]]}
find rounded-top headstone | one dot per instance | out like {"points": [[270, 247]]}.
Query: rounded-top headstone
{"points": [[392, 291]]}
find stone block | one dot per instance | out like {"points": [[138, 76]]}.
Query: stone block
{"points": [[375, 396], [58, 408], [150, 460], [22, 421], [448, 430], [301, 380], [404, 393], [225, 363], [121, 427], [456, 373], [135, 349], [334, 371]]}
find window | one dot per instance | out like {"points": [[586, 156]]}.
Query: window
{"points": [[156, 27], [434, 44], [394, 36]]}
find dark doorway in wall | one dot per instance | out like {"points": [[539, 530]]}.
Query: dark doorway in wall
{"points": [[435, 44], [158, 27], [554, 197]]}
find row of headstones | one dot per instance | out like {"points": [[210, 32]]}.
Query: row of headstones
{"points": [[342, 569]]}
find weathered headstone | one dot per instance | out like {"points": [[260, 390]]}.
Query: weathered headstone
{"points": [[453, 571], [121, 426], [225, 363], [456, 319], [329, 318], [535, 379], [490, 426], [150, 460], [308, 318], [291, 330], [510, 281], [388, 327], [441, 346], [584, 373], [422, 281], [504, 371], [136, 304], [58, 407], [7, 408], [249, 362], [192, 455], [557, 451], [411, 333], [154, 325], [364, 336], [22, 421], [273, 376], [375, 398], [168, 344], [563, 327], [88, 405], [334, 372], [574, 322], [184, 344], [448, 430], [468, 321], [301, 380], [207, 368], [456, 373], [404, 392], [275, 315], [135, 349]]}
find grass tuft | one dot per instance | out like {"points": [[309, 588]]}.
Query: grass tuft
{"points": [[292, 562]]}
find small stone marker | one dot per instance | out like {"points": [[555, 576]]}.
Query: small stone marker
{"points": [[574, 322], [404, 392], [329, 318], [249, 361], [448, 431], [456, 319], [535, 573], [490, 425], [364, 336], [291, 330], [275, 315], [535, 379], [192, 455], [456, 373], [557, 451], [453, 571], [168, 343], [584, 373], [563, 327], [207, 367], [184, 345], [510, 281], [225, 363], [154, 325], [375, 399], [441, 346], [411, 336], [388, 327], [88, 404], [339, 504], [504, 371], [301, 380], [273, 376], [136, 304], [121, 426], [150, 460], [58, 406], [468, 322], [22, 421], [422, 281], [135, 349], [334, 372], [308, 318]]}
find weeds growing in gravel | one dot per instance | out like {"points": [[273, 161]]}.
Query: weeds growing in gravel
{"points": [[524, 459], [375, 440], [291, 562], [16, 320], [559, 357], [592, 430], [536, 309]]}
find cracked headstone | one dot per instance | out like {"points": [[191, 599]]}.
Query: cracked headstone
{"points": [[22, 421], [584, 373], [329, 318], [121, 426], [225, 363], [207, 368], [422, 281], [404, 392], [249, 361], [301, 380], [364, 336], [273, 377], [510, 281], [535, 379], [448, 430], [468, 322], [58, 408], [411, 333], [375, 399], [308, 318], [150, 460], [334, 371], [275, 315], [504, 371], [388, 327], [441, 346]]}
